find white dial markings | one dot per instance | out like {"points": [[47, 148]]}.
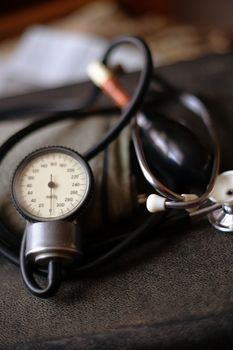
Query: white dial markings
{"points": [[51, 185]]}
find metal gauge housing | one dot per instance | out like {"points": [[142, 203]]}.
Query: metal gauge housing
{"points": [[52, 183]]}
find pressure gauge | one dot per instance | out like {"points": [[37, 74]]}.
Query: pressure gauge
{"points": [[52, 183]]}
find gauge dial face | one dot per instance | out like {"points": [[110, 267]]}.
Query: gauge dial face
{"points": [[51, 184]]}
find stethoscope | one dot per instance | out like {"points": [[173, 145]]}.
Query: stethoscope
{"points": [[52, 185], [217, 199]]}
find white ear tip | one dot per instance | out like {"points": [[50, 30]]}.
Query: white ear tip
{"points": [[155, 203], [223, 188]]}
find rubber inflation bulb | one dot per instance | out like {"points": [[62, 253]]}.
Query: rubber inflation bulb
{"points": [[155, 203]]}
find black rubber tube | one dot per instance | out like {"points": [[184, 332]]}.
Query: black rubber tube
{"points": [[54, 275], [54, 278]]}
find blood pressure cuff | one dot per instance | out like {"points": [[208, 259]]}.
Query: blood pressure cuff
{"points": [[172, 292]]}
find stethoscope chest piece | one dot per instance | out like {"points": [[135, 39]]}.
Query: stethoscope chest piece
{"points": [[222, 193]]}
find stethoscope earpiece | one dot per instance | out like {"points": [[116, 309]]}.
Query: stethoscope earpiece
{"points": [[222, 193], [223, 188], [218, 206]]}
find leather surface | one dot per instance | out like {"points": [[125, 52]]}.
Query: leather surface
{"points": [[174, 291]]}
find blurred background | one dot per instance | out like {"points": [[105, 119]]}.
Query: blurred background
{"points": [[46, 44]]}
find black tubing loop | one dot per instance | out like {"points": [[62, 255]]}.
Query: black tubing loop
{"points": [[119, 248], [54, 276], [54, 269], [136, 100], [157, 221]]}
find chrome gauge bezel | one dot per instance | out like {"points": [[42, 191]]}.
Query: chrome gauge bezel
{"points": [[71, 215]]}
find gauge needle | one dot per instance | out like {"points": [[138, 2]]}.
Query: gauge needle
{"points": [[51, 185]]}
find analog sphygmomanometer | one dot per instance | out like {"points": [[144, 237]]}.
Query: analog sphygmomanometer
{"points": [[53, 185]]}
